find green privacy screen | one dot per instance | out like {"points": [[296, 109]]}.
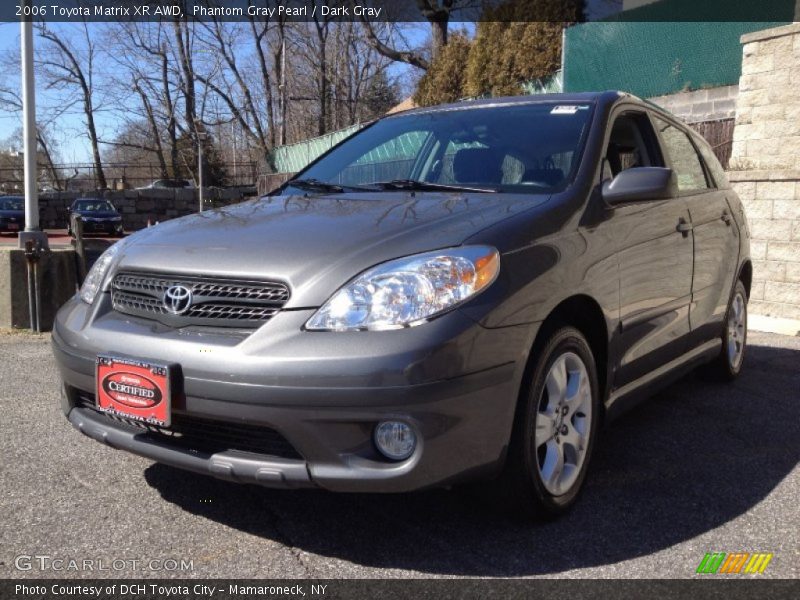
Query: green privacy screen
{"points": [[655, 58], [292, 158]]}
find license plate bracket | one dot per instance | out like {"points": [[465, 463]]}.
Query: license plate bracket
{"points": [[135, 389]]}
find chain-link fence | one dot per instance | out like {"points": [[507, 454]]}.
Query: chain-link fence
{"points": [[82, 177]]}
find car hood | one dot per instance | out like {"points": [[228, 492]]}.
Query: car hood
{"points": [[316, 243]]}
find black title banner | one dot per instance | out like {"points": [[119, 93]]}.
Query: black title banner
{"points": [[216, 589], [394, 10]]}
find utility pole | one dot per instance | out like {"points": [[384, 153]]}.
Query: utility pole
{"points": [[32, 231], [200, 139], [233, 139], [282, 136]]}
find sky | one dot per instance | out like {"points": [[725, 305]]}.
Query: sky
{"points": [[73, 145], [69, 136]]}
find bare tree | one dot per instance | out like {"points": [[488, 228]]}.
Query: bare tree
{"points": [[229, 80], [184, 49], [381, 41], [11, 101], [252, 85], [148, 66], [437, 13], [70, 67]]}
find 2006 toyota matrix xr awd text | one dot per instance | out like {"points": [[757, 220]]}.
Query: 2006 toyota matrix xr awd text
{"points": [[452, 293]]}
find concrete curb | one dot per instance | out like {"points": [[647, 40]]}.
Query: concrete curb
{"points": [[773, 325]]}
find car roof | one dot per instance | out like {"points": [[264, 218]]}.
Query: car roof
{"points": [[606, 97]]}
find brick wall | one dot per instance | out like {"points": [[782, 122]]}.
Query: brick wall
{"points": [[765, 165]]}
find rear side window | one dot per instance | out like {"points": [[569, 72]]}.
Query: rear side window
{"points": [[683, 157], [713, 164]]}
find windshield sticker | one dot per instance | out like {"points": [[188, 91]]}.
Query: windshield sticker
{"points": [[567, 109]]}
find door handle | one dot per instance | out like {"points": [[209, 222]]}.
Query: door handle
{"points": [[684, 227], [726, 218]]}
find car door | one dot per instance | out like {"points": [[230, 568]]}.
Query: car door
{"points": [[715, 234], [654, 253]]}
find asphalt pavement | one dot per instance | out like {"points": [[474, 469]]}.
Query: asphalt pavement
{"points": [[702, 467]]}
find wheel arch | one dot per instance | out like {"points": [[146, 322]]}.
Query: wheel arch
{"points": [[746, 276], [585, 314]]}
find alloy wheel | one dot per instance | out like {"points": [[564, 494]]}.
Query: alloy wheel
{"points": [[737, 326], [563, 423]]}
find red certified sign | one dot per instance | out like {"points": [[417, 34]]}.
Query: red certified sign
{"points": [[134, 389]]}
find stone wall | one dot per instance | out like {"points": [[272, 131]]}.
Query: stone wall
{"points": [[137, 206], [712, 104], [765, 165]]}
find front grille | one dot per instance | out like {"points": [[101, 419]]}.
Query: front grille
{"points": [[215, 302], [203, 435]]}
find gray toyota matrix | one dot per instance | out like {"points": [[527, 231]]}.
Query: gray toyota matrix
{"points": [[453, 293]]}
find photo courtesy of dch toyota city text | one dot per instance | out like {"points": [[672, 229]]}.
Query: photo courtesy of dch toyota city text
{"points": [[399, 298]]}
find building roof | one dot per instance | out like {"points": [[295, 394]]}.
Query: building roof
{"points": [[406, 104]]}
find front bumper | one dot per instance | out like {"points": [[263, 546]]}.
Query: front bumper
{"points": [[454, 381], [101, 226]]}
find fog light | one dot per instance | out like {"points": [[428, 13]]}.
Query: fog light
{"points": [[395, 440]]}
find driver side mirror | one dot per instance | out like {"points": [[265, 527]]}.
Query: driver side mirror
{"points": [[639, 184]]}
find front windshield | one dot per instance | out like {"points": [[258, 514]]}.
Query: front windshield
{"points": [[527, 147], [11, 204], [94, 205]]}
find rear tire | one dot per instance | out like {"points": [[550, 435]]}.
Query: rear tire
{"points": [[728, 364], [555, 429]]}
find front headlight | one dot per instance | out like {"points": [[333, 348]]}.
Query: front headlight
{"points": [[97, 274], [408, 291]]}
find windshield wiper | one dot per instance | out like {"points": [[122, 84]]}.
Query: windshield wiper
{"points": [[414, 184], [323, 186]]}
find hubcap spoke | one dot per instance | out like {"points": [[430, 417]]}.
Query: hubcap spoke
{"points": [[545, 429], [557, 382], [579, 392], [554, 466], [573, 438]]}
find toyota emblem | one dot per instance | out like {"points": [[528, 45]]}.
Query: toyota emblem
{"points": [[177, 299]]}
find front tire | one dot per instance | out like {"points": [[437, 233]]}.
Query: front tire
{"points": [[555, 428]]}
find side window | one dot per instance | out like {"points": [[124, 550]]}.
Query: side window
{"points": [[683, 157], [713, 164], [630, 145]]}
